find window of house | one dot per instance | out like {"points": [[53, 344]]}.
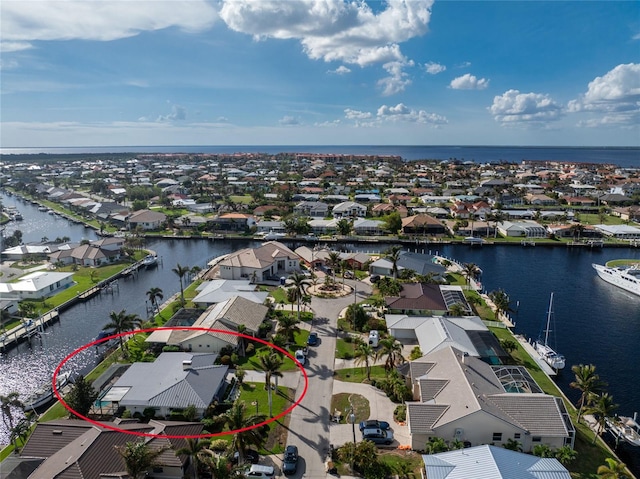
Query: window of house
{"points": [[536, 439], [516, 435], [497, 436]]}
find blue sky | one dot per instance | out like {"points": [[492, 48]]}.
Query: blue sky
{"points": [[313, 72]]}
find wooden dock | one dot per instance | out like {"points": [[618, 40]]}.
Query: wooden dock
{"points": [[27, 330]]}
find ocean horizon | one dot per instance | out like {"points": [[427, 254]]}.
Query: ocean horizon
{"points": [[617, 155]]}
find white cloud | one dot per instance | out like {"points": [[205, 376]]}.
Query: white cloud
{"points": [[469, 82], [26, 21], [7, 47], [401, 112], [397, 80], [513, 107], [337, 30], [434, 68], [290, 121], [463, 65], [177, 113], [341, 70], [614, 98], [356, 114]]}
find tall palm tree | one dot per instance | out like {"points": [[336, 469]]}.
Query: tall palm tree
{"points": [[237, 418], [219, 466], [588, 382], [7, 404], [298, 282], [193, 449], [363, 354], [155, 294], [612, 470], [393, 255], [181, 271], [271, 364], [392, 349], [121, 323], [333, 259], [501, 301], [602, 407], [139, 457]]}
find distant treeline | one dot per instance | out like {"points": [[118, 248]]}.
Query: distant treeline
{"points": [[55, 157]]}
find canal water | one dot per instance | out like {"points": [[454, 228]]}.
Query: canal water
{"points": [[595, 323]]}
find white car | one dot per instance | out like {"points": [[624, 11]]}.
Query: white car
{"points": [[301, 356], [374, 338]]}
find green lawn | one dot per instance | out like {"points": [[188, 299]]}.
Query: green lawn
{"points": [[345, 350], [343, 401], [359, 374]]}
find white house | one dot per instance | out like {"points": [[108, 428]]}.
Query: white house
{"points": [[491, 462], [267, 262], [146, 219], [349, 209], [524, 228], [460, 397], [219, 290], [172, 382], [39, 284]]}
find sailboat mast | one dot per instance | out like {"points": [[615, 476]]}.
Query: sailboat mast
{"points": [[546, 331]]}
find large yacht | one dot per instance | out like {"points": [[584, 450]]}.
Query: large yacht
{"points": [[627, 278]]}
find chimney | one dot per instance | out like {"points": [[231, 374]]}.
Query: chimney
{"points": [[186, 365]]}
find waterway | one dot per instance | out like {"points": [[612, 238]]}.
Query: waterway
{"points": [[595, 323]]}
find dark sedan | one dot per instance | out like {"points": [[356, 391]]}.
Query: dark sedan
{"points": [[290, 460], [374, 424]]}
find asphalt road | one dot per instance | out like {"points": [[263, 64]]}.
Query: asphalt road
{"points": [[309, 422]]}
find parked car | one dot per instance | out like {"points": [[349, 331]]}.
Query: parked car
{"points": [[258, 470], [301, 356], [348, 274], [375, 278], [290, 460], [377, 435], [374, 423], [249, 456], [312, 340], [374, 338]]}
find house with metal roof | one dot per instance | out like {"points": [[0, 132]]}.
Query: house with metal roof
{"points": [[219, 290], [39, 284], [172, 382], [73, 449], [460, 397], [467, 334], [491, 462]]}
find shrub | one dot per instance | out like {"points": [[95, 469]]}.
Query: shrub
{"points": [[250, 349], [170, 349], [219, 445], [225, 360], [400, 413]]}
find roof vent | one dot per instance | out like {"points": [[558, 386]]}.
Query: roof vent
{"points": [[186, 364], [57, 432]]}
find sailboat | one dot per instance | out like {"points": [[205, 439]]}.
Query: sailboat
{"points": [[546, 352]]}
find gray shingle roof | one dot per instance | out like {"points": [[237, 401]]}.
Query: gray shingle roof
{"points": [[422, 417]]}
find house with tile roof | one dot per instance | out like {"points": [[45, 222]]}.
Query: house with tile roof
{"points": [[172, 382], [491, 462], [270, 261], [73, 449], [146, 219], [460, 397]]}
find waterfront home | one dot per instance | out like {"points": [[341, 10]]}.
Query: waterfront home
{"points": [[422, 224], [270, 226], [146, 219], [313, 258], [460, 397], [219, 290], [349, 209], [422, 264], [268, 262], [313, 209], [236, 222], [491, 462], [76, 449], [37, 285], [172, 382], [467, 334], [623, 232], [524, 228], [365, 227], [418, 299]]}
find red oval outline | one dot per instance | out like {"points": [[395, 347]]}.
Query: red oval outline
{"points": [[179, 328]]}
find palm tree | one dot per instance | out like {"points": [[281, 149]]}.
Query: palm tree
{"points": [[435, 445], [288, 327], [236, 419], [364, 353], [181, 271], [602, 407], [298, 282], [565, 455], [501, 301], [155, 294], [457, 309], [121, 323], [470, 271], [193, 449], [513, 445], [612, 470], [588, 382], [334, 261], [219, 466], [271, 364], [393, 255], [7, 404], [392, 349], [138, 457]]}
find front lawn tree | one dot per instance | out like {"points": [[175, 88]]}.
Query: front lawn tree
{"points": [[82, 396]]}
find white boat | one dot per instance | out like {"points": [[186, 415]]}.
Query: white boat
{"points": [[546, 352], [150, 261], [625, 428], [44, 395], [627, 278]]}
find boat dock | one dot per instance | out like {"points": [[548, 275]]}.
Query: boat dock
{"points": [[549, 371], [27, 330]]}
